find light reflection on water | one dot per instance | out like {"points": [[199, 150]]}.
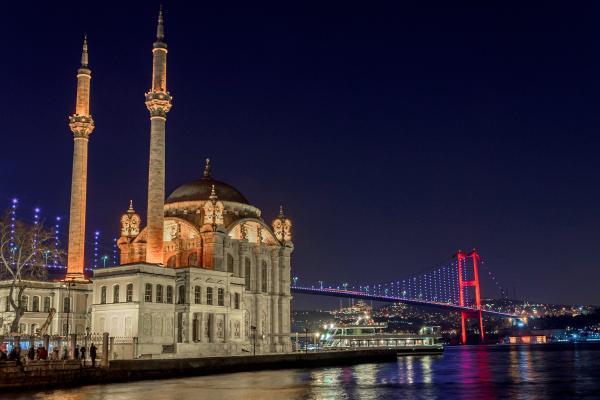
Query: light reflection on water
{"points": [[460, 373]]}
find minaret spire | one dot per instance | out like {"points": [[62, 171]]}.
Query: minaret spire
{"points": [[160, 27], [84, 52], [158, 102], [82, 125], [207, 168]]}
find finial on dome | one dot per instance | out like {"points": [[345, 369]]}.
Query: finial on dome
{"points": [[160, 28], [130, 205], [213, 193], [84, 52], [281, 215], [207, 168]]}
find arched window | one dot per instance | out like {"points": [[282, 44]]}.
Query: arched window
{"points": [[220, 296], [193, 260], [25, 302], [229, 263], [116, 294], [197, 294], [264, 277], [7, 308], [35, 306], [181, 294], [129, 293], [172, 262], [67, 304], [103, 295], [46, 304], [209, 296], [247, 273], [159, 293], [170, 294], [148, 293]]}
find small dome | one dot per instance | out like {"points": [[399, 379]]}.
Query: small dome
{"points": [[200, 189]]}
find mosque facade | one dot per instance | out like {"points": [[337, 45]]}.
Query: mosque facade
{"points": [[205, 276]]}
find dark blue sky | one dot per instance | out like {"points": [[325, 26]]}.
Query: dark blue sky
{"points": [[394, 135]]}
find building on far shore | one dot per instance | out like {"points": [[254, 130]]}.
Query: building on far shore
{"points": [[205, 276]]}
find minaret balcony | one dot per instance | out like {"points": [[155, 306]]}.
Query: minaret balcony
{"points": [[81, 125], [158, 103]]}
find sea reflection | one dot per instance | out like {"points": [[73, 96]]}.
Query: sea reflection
{"points": [[460, 373]]}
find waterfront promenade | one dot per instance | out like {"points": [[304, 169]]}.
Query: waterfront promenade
{"points": [[44, 374]]}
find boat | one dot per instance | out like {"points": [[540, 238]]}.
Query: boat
{"points": [[365, 335]]}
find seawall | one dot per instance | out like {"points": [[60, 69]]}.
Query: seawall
{"points": [[45, 374]]}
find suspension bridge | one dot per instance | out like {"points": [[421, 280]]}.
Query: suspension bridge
{"points": [[454, 286]]}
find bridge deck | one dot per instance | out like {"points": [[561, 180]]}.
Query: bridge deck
{"points": [[393, 299]]}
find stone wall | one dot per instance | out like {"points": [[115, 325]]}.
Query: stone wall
{"points": [[43, 374], [46, 374]]}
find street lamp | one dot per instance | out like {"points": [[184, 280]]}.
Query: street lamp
{"points": [[317, 334], [306, 340], [253, 329], [104, 259], [86, 340], [46, 257]]}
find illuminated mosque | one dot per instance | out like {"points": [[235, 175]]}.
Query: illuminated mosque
{"points": [[205, 276]]}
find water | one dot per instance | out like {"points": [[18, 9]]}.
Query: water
{"points": [[477, 372]]}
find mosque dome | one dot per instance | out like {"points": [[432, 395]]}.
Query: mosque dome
{"points": [[200, 189]]}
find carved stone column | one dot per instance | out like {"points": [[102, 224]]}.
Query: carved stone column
{"points": [[226, 330], [212, 318]]}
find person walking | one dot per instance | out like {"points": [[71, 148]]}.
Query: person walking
{"points": [[76, 353], [15, 355], [82, 353], [93, 354], [3, 355], [31, 353]]}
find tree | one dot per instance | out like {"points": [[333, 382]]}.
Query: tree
{"points": [[22, 250]]}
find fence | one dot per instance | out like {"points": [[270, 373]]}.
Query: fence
{"points": [[62, 347], [122, 348]]}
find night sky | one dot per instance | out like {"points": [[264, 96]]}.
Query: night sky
{"points": [[393, 136]]}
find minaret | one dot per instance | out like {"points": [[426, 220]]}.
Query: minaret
{"points": [[158, 102], [82, 125]]}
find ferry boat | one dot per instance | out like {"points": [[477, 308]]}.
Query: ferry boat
{"points": [[373, 335]]}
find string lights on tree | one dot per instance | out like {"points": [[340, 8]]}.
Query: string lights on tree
{"points": [[34, 243], [114, 257], [55, 261], [96, 240], [13, 220]]}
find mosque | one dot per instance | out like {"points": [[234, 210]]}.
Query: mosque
{"points": [[205, 276]]}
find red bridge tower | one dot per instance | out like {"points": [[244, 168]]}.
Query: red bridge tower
{"points": [[464, 283]]}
